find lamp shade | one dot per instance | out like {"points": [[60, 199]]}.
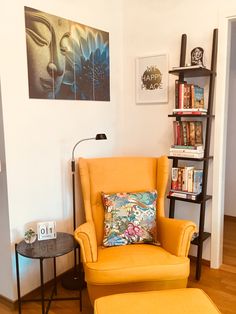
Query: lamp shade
{"points": [[101, 136]]}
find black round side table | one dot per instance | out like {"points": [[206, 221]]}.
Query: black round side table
{"points": [[63, 244]]}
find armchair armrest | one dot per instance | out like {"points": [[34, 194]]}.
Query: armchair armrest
{"points": [[86, 236], [175, 235]]}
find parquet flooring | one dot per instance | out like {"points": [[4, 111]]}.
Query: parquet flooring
{"points": [[218, 284], [229, 244]]}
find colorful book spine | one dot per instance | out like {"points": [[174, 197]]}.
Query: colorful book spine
{"points": [[198, 133], [174, 178], [197, 180], [181, 94]]}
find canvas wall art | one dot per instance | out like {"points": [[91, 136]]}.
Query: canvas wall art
{"points": [[66, 59], [152, 79]]}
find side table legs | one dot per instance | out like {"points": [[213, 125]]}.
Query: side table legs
{"points": [[48, 249], [18, 279], [42, 285]]}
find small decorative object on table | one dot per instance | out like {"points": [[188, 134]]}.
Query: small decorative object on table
{"points": [[46, 230], [197, 56], [30, 236]]}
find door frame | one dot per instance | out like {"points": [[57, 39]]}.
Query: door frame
{"points": [[220, 136]]}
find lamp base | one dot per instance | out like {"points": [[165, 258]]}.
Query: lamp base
{"points": [[73, 280]]}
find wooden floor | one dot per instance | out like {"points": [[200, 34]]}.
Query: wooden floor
{"points": [[229, 245], [219, 284]]}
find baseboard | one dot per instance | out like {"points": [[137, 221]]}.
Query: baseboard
{"points": [[8, 303]]}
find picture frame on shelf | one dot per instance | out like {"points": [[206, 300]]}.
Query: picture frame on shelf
{"points": [[152, 79]]}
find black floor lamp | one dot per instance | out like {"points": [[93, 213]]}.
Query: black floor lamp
{"points": [[72, 280]]}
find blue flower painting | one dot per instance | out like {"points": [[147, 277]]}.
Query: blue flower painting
{"points": [[66, 60]]}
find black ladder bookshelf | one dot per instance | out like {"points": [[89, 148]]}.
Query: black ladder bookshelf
{"points": [[183, 74]]}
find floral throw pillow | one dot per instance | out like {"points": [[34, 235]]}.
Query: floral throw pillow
{"points": [[129, 218]]}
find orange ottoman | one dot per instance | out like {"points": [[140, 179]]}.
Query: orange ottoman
{"points": [[188, 300]]}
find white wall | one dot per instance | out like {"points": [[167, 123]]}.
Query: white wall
{"points": [[5, 253], [40, 134], [156, 27], [230, 178]]}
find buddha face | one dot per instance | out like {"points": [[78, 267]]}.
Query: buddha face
{"points": [[46, 37]]}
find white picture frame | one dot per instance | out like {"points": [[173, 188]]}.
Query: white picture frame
{"points": [[152, 79]]}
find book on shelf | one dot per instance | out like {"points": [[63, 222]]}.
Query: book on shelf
{"points": [[177, 94], [198, 133], [181, 94], [187, 149], [184, 195], [174, 178], [187, 179], [197, 94], [192, 133], [180, 178], [197, 180], [192, 111], [187, 155], [189, 67]]}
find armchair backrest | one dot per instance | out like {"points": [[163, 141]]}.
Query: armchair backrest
{"points": [[120, 174]]}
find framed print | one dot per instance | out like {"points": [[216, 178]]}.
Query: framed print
{"points": [[152, 79], [66, 59]]}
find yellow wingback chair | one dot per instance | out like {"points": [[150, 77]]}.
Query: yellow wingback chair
{"points": [[135, 267]]}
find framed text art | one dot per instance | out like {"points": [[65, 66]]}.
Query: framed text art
{"points": [[152, 79]]}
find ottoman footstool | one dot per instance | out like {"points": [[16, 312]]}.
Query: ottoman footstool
{"points": [[181, 301]]}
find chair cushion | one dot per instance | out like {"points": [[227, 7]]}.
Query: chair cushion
{"points": [[129, 218], [135, 263], [190, 300]]}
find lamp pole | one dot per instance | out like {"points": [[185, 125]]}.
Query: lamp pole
{"points": [[72, 280]]}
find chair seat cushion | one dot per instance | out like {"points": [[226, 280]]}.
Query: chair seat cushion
{"points": [[135, 263], [179, 301]]}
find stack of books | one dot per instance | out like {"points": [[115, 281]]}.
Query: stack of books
{"points": [[192, 111], [196, 151], [184, 195]]}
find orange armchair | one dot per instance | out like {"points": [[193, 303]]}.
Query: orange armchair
{"points": [[136, 267]]}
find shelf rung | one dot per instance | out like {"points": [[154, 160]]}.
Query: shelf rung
{"points": [[205, 236], [189, 158], [197, 201]]}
